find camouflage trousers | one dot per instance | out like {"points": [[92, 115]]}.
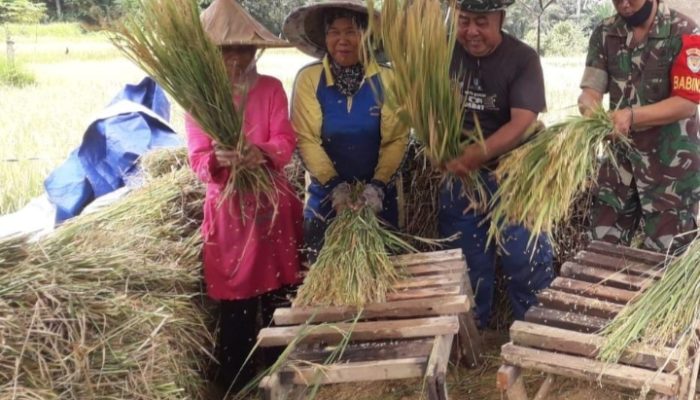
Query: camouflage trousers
{"points": [[621, 207]]}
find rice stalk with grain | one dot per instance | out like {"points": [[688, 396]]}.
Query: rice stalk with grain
{"points": [[667, 313], [353, 268], [165, 39], [423, 92], [540, 180]]}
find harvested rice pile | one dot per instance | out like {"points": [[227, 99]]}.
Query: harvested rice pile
{"points": [[107, 306]]}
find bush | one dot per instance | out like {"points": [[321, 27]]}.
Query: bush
{"points": [[564, 39], [23, 11], [15, 75], [52, 30]]}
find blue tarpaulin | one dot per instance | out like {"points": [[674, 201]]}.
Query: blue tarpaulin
{"points": [[134, 122]]}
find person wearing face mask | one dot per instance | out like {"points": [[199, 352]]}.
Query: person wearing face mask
{"points": [[503, 86], [345, 133], [647, 57], [250, 253]]}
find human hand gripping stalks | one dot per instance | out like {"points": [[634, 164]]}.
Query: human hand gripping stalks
{"points": [[165, 38], [539, 181], [423, 93]]}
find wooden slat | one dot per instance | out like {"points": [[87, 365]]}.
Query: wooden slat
{"points": [[618, 264], [374, 330], [565, 320], [429, 281], [369, 351], [436, 370], [644, 256], [396, 309], [586, 344], [401, 368], [426, 258], [551, 298], [273, 389], [593, 290], [597, 275], [418, 293], [437, 268], [583, 368], [544, 389], [509, 379], [506, 376]]}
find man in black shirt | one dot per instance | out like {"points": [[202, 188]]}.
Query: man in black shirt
{"points": [[503, 85]]}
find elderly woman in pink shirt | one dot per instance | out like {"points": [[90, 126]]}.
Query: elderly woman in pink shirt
{"points": [[248, 263]]}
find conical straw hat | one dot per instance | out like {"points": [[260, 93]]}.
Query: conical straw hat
{"points": [[229, 24], [304, 27]]}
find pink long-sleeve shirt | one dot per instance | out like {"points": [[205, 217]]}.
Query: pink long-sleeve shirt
{"points": [[246, 251]]}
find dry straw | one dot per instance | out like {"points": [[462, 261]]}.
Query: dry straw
{"points": [[107, 306], [666, 313], [166, 39], [421, 185], [423, 92], [540, 181], [353, 267]]}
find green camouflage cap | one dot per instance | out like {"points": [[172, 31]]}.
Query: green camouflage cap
{"points": [[483, 5]]}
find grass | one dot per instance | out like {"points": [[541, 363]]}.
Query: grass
{"points": [[69, 30], [15, 75]]}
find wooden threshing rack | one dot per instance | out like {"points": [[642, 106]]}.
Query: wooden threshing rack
{"points": [[559, 338], [412, 335]]}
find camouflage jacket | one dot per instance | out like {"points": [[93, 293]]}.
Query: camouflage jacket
{"points": [[666, 165]]}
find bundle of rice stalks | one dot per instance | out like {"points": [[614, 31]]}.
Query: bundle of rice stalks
{"points": [[423, 93], [353, 267], [165, 38], [539, 181], [668, 312], [107, 306], [421, 185], [295, 173]]}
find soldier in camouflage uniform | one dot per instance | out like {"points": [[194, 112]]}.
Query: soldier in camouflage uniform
{"points": [[630, 56]]}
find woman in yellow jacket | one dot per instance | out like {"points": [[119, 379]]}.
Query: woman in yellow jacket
{"points": [[344, 132]]}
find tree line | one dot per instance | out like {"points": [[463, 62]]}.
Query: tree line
{"points": [[554, 27]]}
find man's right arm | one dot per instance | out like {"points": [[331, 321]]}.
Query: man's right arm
{"points": [[595, 77], [589, 100]]}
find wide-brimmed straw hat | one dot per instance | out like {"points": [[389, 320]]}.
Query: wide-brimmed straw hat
{"points": [[228, 24], [304, 27]]}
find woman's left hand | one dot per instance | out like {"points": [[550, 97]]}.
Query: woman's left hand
{"points": [[252, 157]]}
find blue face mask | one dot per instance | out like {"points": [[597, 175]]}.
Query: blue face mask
{"points": [[640, 17]]}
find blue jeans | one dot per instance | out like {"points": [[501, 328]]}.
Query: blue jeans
{"points": [[525, 272]]}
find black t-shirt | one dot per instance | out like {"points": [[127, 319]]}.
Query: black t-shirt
{"points": [[510, 77]]}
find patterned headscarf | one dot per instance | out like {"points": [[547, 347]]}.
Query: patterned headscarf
{"points": [[347, 79]]}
